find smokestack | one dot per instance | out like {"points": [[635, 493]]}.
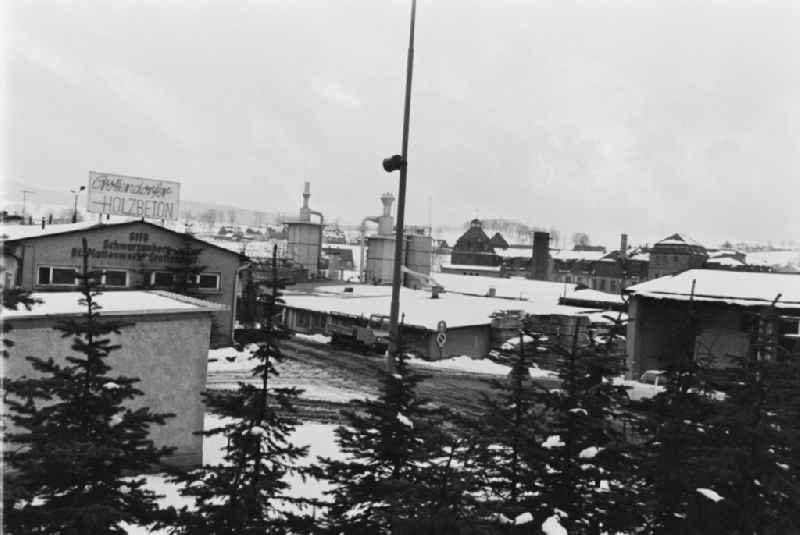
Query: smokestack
{"points": [[306, 194], [623, 246], [540, 264]]}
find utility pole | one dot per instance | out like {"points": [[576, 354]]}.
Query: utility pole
{"points": [[75, 193], [25, 201], [394, 163]]}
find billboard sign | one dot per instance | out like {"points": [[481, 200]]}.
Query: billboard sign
{"points": [[133, 196]]}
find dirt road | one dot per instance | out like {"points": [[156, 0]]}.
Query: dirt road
{"points": [[337, 376]]}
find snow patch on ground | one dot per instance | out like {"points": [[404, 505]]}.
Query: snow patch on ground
{"points": [[316, 338], [320, 438], [467, 364]]}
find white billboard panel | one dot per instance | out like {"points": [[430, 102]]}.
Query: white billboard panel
{"points": [[133, 196]]}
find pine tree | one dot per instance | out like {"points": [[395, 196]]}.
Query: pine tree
{"points": [[509, 457], [13, 298], [76, 440], [587, 461], [404, 467], [247, 492], [757, 430]]}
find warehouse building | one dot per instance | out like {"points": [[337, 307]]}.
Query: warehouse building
{"points": [[132, 255]]}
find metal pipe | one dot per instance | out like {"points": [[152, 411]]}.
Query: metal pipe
{"points": [[401, 204], [321, 228], [363, 228]]}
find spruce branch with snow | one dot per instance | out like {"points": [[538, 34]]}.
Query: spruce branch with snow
{"points": [[74, 442]]}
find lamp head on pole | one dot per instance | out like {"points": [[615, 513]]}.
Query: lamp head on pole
{"points": [[393, 163]]}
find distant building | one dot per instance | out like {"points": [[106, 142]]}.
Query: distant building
{"points": [[731, 317], [474, 248], [674, 254], [498, 242]]}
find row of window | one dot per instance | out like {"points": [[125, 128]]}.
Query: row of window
{"points": [[117, 278]]}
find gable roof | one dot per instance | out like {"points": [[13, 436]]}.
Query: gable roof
{"points": [[498, 241], [17, 233]]}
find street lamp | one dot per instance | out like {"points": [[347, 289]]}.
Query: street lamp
{"points": [[75, 207], [399, 162]]}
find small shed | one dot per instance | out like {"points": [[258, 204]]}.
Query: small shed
{"points": [[731, 311], [164, 343]]}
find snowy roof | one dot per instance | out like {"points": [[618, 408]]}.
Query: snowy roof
{"points": [[679, 239], [725, 261], [422, 311], [514, 287], [773, 258], [470, 267], [20, 232], [595, 295], [515, 252], [116, 303], [735, 287], [577, 255]]}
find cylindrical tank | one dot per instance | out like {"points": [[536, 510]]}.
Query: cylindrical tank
{"points": [[419, 252], [380, 259], [303, 244]]}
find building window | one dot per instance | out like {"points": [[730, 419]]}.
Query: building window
{"points": [[208, 281], [602, 284], [63, 276], [613, 285], [675, 259], [115, 278], [162, 278]]}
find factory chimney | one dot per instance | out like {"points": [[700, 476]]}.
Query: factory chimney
{"points": [[305, 211], [540, 263], [623, 246]]}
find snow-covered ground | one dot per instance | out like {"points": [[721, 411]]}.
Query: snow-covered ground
{"points": [[465, 364], [227, 367], [319, 437]]}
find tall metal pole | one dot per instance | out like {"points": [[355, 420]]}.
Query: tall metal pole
{"points": [[394, 314]]}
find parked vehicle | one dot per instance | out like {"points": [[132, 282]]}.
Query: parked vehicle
{"points": [[358, 332]]}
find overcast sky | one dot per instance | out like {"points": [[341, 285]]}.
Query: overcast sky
{"points": [[605, 117]]}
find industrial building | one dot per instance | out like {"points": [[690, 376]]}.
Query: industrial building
{"points": [[132, 255], [377, 263], [731, 317], [164, 343], [467, 310], [304, 237]]}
